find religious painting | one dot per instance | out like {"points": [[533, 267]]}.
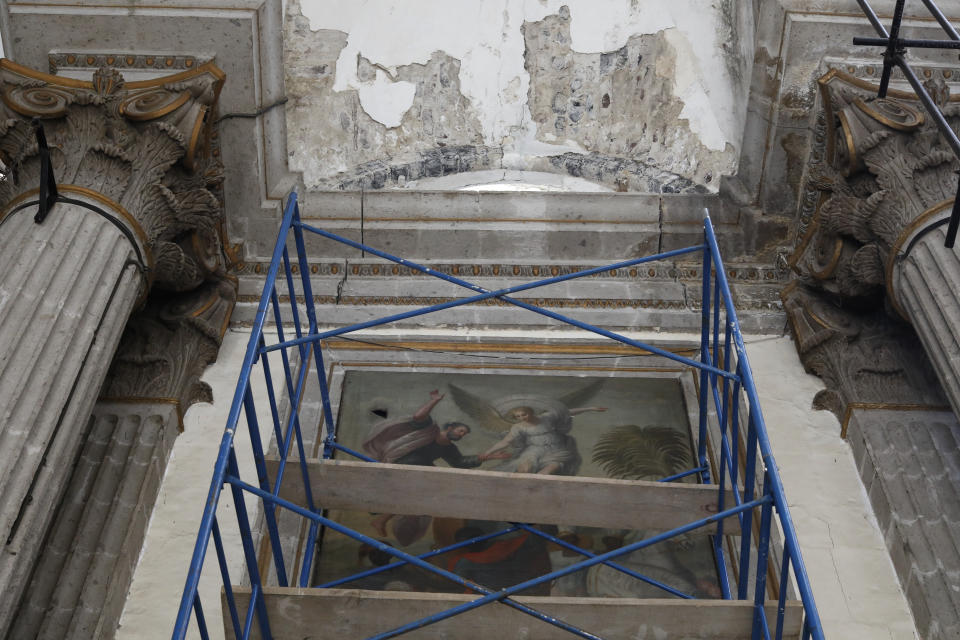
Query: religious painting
{"points": [[624, 427]]}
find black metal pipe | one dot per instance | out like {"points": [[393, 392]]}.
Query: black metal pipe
{"points": [[892, 52], [900, 43], [872, 17], [942, 19], [932, 109], [954, 221]]}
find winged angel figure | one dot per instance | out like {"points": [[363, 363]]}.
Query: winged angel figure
{"points": [[535, 428]]}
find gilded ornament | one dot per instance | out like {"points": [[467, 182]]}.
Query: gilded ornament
{"points": [[38, 102], [152, 104]]}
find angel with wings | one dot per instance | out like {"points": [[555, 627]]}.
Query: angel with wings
{"points": [[535, 428]]}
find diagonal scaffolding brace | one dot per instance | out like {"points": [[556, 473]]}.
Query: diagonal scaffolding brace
{"points": [[745, 464]]}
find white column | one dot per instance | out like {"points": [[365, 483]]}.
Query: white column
{"points": [[67, 288], [926, 288]]}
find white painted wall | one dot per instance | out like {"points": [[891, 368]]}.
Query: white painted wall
{"points": [[852, 575], [485, 35]]}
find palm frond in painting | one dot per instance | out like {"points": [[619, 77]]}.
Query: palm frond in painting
{"points": [[632, 452]]}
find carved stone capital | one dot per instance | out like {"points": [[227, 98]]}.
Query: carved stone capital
{"points": [[138, 148], [864, 357], [168, 344], [886, 168]]}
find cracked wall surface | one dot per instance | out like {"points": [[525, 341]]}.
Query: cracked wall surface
{"points": [[638, 96], [334, 137], [618, 105]]}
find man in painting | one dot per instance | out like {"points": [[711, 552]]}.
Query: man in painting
{"points": [[418, 440]]}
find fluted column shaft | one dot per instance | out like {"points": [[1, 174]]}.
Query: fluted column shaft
{"points": [[926, 287], [78, 589], [67, 287]]}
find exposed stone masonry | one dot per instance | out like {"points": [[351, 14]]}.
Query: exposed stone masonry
{"points": [[909, 462]]}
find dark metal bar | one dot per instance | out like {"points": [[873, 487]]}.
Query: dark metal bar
{"points": [[942, 19], [225, 574], [900, 43], [892, 51], [894, 54], [872, 17], [954, 220]]}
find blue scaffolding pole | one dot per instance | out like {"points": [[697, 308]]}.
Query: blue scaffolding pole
{"points": [[726, 387]]}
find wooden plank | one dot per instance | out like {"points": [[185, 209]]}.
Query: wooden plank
{"points": [[348, 614], [499, 496]]}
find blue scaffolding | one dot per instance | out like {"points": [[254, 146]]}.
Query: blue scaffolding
{"points": [[728, 406]]}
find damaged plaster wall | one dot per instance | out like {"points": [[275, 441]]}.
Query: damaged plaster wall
{"points": [[652, 95]]}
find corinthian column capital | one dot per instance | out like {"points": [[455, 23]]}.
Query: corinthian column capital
{"points": [[887, 173], [138, 150]]}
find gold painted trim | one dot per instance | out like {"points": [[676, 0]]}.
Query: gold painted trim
{"points": [[195, 136], [853, 161], [206, 305], [823, 83], [30, 113], [871, 87], [885, 406], [226, 319], [73, 83], [147, 400], [16, 201], [532, 367], [884, 120], [902, 239], [209, 303], [500, 347], [828, 270], [126, 215], [808, 236], [813, 316], [157, 113], [60, 81], [132, 222], [789, 287]]}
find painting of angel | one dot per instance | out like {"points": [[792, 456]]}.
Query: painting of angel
{"points": [[537, 427], [601, 426]]}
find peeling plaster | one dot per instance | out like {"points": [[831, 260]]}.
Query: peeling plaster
{"points": [[386, 100], [486, 38]]}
